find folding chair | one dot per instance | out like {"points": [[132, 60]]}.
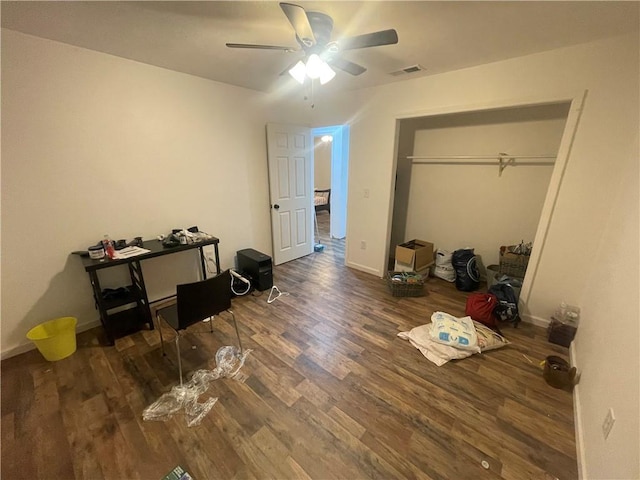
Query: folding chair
{"points": [[194, 303]]}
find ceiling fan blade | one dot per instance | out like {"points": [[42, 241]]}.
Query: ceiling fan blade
{"points": [[383, 37], [347, 66], [300, 23], [260, 47]]}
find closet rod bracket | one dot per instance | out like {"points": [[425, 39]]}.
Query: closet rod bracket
{"points": [[504, 160]]}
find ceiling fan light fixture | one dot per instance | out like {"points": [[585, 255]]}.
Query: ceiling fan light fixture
{"points": [[326, 73], [313, 34], [314, 66], [298, 71]]}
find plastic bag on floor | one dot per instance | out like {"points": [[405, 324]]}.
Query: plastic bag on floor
{"points": [[185, 397], [444, 269]]}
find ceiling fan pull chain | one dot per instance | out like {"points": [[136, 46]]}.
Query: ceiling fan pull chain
{"points": [[313, 99]]}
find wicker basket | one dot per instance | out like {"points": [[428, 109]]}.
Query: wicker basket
{"points": [[513, 264], [406, 284]]}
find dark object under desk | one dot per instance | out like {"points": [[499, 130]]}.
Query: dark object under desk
{"points": [[132, 319]]}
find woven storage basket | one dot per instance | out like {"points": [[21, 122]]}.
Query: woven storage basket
{"points": [[410, 285], [513, 264]]}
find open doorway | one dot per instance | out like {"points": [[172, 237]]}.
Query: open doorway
{"points": [[331, 161]]}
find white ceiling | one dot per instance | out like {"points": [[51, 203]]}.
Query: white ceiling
{"points": [[190, 37]]}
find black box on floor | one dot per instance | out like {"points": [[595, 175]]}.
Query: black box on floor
{"points": [[561, 333], [258, 266]]}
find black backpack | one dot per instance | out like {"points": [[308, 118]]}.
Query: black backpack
{"points": [[507, 308]]}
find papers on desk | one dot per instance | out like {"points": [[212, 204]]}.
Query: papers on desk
{"points": [[129, 252]]}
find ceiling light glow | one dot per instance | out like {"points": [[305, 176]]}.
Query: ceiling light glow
{"points": [[326, 73], [298, 72], [314, 66]]}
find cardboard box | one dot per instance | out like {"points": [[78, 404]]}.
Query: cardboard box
{"points": [[414, 256]]}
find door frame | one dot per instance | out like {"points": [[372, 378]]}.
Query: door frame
{"points": [[339, 176]]}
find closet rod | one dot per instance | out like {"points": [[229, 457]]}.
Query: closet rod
{"points": [[504, 156], [503, 160], [467, 162]]}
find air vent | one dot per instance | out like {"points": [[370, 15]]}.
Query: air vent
{"points": [[406, 70]]}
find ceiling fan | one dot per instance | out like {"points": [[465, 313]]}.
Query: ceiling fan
{"points": [[313, 34]]}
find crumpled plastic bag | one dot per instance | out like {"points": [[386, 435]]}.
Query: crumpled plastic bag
{"points": [[185, 397]]}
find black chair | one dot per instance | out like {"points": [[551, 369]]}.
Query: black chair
{"points": [[196, 302]]}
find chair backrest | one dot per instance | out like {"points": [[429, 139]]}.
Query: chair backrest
{"points": [[199, 300]]}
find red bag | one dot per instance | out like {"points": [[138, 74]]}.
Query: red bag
{"points": [[480, 308]]}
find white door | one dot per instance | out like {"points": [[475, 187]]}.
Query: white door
{"points": [[289, 152]]}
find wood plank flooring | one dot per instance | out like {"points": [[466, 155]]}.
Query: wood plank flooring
{"points": [[330, 392]]}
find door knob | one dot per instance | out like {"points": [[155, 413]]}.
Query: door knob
{"points": [[276, 206]]}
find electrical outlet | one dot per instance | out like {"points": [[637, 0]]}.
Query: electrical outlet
{"points": [[366, 193], [363, 245], [607, 425]]}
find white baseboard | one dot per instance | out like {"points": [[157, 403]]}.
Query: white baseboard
{"points": [[28, 346], [537, 321], [364, 268], [88, 326], [577, 418], [577, 410], [22, 348]]}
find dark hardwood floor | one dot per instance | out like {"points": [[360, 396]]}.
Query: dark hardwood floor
{"points": [[330, 392]]}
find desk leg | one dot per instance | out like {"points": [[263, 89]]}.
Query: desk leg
{"points": [[203, 263], [135, 271], [97, 296], [203, 260], [215, 248]]}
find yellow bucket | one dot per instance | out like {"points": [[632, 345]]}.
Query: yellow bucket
{"points": [[55, 339]]}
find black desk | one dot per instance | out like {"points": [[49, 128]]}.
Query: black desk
{"points": [[132, 319]]}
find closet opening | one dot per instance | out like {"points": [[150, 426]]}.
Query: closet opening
{"points": [[480, 179]]}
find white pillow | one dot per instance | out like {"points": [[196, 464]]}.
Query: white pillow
{"points": [[456, 332], [438, 353]]}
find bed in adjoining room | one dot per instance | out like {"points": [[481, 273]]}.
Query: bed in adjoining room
{"points": [[322, 200]]}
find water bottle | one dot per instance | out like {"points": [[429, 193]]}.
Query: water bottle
{"points": [[561, 313], [108, 247]]}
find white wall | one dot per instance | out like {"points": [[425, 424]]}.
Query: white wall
{"points": [[456, 206], [603, 154], [94, 144], [606, 347], [322, 163]]}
